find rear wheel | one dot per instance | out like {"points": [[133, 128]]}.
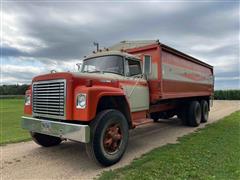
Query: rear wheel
{"points": [[182, 115], [109, 137], [205, 111], [45, 140], [194, 114]]}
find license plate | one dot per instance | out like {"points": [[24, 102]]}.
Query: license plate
{"points": [[46, 126]]}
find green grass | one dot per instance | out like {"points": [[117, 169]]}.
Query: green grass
{"points": [[11, 111], [210, 153]]}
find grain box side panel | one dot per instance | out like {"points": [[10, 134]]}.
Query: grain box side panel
{"points": [[184, 78]]}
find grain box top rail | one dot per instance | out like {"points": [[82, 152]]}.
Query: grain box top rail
{"points": [[126, 45]]}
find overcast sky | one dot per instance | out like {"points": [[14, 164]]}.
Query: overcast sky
{"points": [[40, 36]]}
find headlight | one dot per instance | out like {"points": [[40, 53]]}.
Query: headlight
{"points": [[27, 100], [81, 101]]}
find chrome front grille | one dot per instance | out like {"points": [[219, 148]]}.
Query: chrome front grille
{"points": [[48, 99]]}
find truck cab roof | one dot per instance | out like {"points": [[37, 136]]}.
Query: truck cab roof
{"points": [[110, 53]]}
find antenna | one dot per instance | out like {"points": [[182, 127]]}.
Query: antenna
{"points": [[97, 45]]}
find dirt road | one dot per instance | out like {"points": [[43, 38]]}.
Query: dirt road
{"points": [[69, 161]]}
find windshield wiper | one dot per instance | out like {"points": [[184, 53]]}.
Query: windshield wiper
{"points": [[96, 71], [112, 72]]}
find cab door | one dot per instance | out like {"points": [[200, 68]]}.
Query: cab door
{"points": [[135, 86]]}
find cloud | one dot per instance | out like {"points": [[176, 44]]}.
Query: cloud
{"points": [[15, 74], [11, 51], [56, 33]]}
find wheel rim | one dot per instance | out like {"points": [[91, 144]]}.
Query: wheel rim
{"points": [[112, 138]]}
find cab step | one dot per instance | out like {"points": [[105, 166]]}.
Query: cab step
{"points": [[139, 122]]}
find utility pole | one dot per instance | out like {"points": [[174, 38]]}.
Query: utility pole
{"points": [[97, 45]]}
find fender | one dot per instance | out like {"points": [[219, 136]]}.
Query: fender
{"points": [[94, 94]]}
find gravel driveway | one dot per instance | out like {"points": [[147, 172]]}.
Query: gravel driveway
{"points": [[27, 160]]}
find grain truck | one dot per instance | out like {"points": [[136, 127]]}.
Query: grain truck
{"points": [[117, 89]]}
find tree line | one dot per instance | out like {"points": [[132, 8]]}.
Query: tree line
{"points": [[20, 90], [227, 94], [13, 89]]}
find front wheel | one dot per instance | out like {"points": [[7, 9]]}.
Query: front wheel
{"points": [[109, 137], [45, 140]]}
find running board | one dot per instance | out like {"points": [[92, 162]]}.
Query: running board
{"points": [[139, 122]]}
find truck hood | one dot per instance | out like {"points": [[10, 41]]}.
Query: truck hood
{"points": [[110, 76], [77, 75]]}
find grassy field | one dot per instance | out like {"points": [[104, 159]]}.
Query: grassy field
{"points": [[11, 111], [210, 153]]}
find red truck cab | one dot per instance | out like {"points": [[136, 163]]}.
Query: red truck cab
{"points": [[117, 89]]}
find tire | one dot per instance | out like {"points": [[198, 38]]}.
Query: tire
{"points": [[182, 115], [45, 140], [205, 111], [194, 114], [109, 137]]}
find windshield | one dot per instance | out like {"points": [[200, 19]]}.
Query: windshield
{"points": [[110, 64]]}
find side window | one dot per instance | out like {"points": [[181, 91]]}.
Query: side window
{"points": [[134, 67], [147, 64]]}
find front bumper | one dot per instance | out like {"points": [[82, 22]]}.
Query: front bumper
{"points": [[75, 132]]}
